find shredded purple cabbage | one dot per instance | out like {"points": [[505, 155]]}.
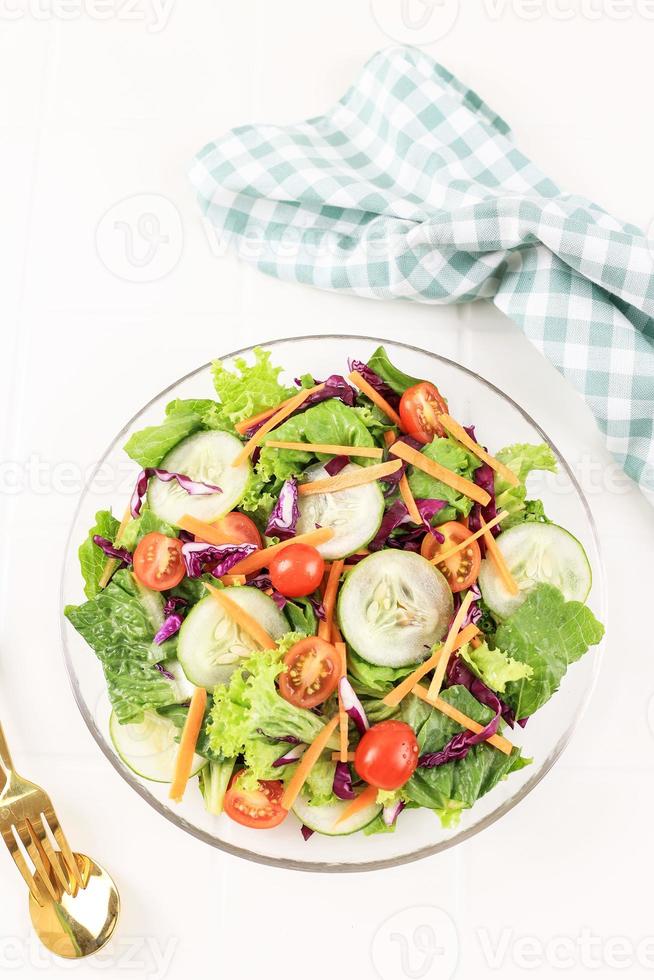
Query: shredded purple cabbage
{"points": [[291, 739], [318, 608], [375, 382], [474, 613], [484, 478], [306, 832], [169, 627], [120, 554], [166, 673], [290, 756], [391, 812], [397, 515], [264, 583], [216, 559], [352, 705], [459, 745], [343, 782], [393, 479], [336, 464], [284, 515], [186, 483], [459, 673]]}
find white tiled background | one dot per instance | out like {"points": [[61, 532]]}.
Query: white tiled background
{"points": [[105, 100]]}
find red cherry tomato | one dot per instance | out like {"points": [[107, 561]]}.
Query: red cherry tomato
{"points": [[420, 407], [297, 570], [462, 569], [387, 755], [236, 528], [158, 561], [259, 808], [314, 667]]}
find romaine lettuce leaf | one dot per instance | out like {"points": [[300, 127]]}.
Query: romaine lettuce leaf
{"points": [[398, 380], [548, 634], [119, 624], [245, 392], [494, 667], [144, 524], [91, 558], [149, 446], [455, 457], [371, 680], [522, 459]]}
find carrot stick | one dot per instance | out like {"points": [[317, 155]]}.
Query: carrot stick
{"points": [[448, 646], [438, 558], [228, 580], [462, 436], [498, 741], [336, 757], [307, 762], [345, 480], [404, 488], [242, 619], [242, 427], [336, 636], [364, 799], [373, 452], [273, 421], [405, 687], [498, 559], [187, 744], [375, 397], [432, 468], [111, 564], [329, 600]]}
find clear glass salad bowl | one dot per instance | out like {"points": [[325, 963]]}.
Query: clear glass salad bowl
{"points": [[500, 422]]}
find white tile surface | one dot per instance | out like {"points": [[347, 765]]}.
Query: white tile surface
{"points": [[96, 112]]}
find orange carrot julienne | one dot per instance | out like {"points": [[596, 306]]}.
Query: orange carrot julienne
{"points": [[336, 757], [187, 744], [229, 580], [364, 799], [111, 564], [373, 452], [336, 636], [279, 416], [405, 687], [343, 481], [444, 659], [375, 397], [201, 529], [247, 623], [431, 467], [498, 559], [438, 558], [329, 600], [498, 741], [409, 500], [307, 762], [242, 427], [262, 558], [462, 436]]}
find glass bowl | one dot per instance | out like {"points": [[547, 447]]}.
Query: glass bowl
{"points": [[500, 421]]}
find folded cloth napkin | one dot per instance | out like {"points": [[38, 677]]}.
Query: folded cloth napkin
{"points": [[411, 187]]}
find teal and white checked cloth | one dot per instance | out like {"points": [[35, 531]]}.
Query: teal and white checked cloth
{"points": [[411, 188]]}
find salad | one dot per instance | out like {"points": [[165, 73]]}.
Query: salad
{"points": [[328, 602]]}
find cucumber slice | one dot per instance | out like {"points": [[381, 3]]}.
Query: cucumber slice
{"points": [[206, 457], [323, 818], [536, 553], [149, 748], [393, 607], [354, 514], [211, 645]]}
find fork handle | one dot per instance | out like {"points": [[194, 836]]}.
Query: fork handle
{"points": [[6, 765]]}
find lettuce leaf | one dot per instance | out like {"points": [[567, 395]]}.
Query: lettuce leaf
{"points": [[245, 392], [370, 680], [455, 786], [119, 625], [151, 445], [214, 780], [494, 667], [449, 453], [146, 522], [548, 634], [91, 558], [522, 459], [382, 365]]}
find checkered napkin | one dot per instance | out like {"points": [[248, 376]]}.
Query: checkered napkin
{"points": [[411, 188]]}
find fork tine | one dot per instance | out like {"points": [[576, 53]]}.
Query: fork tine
{"points": [[32, 845], [51, 819], [55, 858], [21, 864]]}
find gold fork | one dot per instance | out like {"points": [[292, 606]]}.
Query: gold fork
{"points": [[30, 829]]}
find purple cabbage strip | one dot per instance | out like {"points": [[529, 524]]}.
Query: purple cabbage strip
{"points": [[352, 705], [120, 554], [217, 559], [336, 464], [393, 479], [318, 608], [306, 832], [284, 515], [391, 812], [459, 746], [172, 603], [474, 613], [290, 756], [343, 782], [186, 483], [396, 516], [166, 673], [169, 627], [375, 382], [291, 739], [264, 583], [484, 478]]}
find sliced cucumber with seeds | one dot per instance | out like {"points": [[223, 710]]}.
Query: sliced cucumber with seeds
{"points": [[323, 819], [535, 553], [393, 607], [206, 457], [211, 644], [149, 748], [354, 514]]}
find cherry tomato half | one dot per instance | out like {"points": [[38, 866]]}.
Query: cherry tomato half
{"points": [[297, 570], [462, 569], [236, 528], [314, 667], [420, 407], [158, 561], [260, 808], [387, 755]]}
